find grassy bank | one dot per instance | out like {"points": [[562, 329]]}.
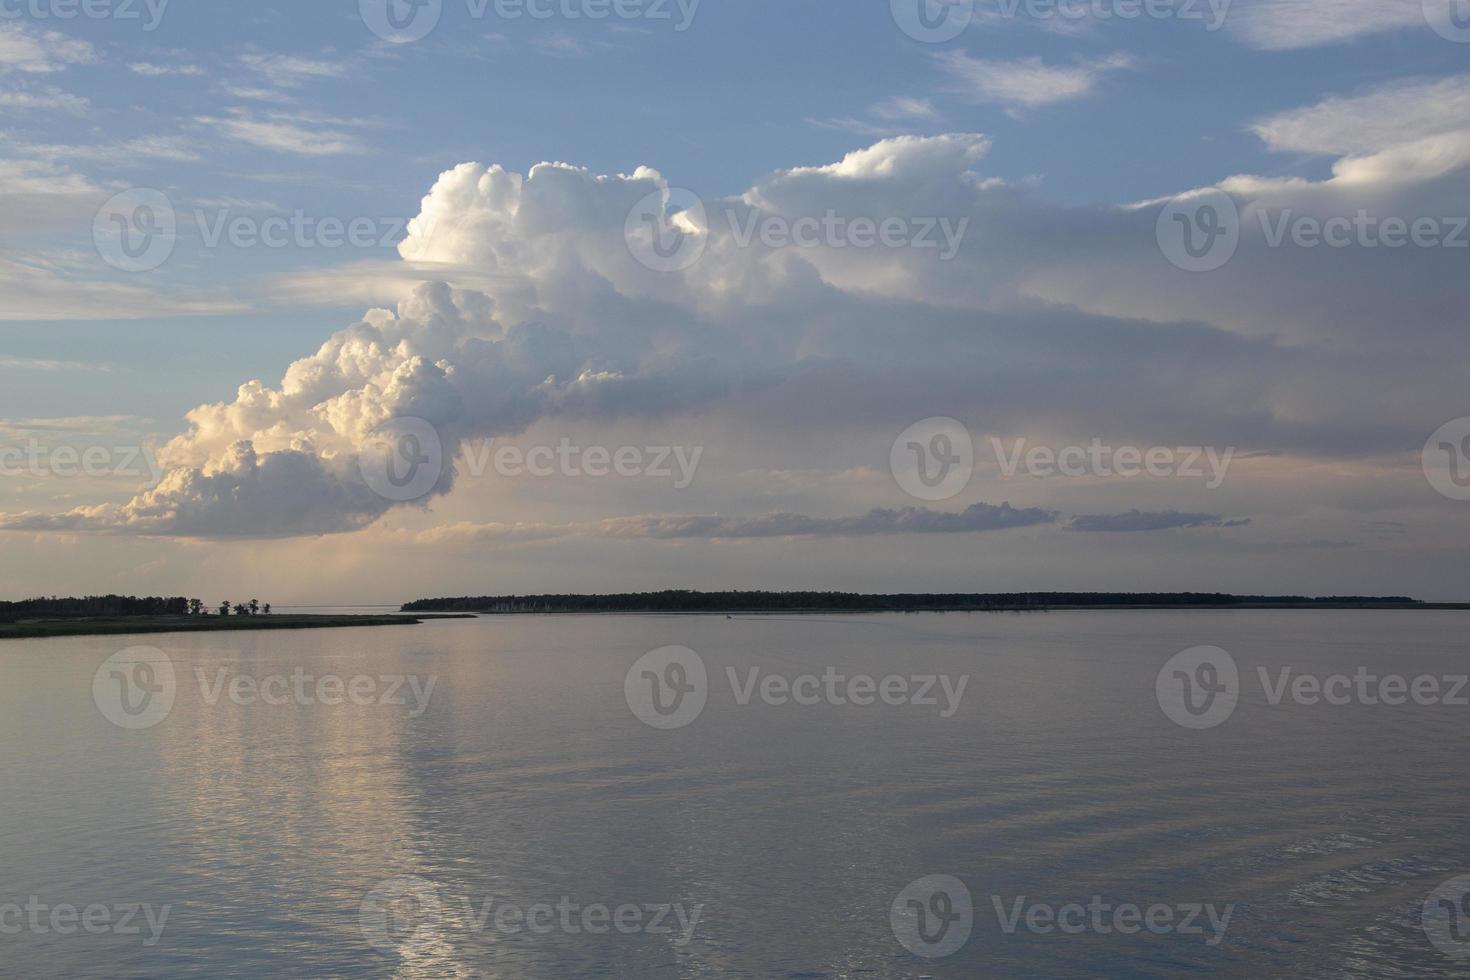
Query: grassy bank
{"points": [[30, 629]]}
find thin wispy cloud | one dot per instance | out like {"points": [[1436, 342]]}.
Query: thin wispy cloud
{"points": [[904, 107], [289, 71], [1396, 114], [302, 134], [88, 424], [150, 69], [33, 51], [258, 93], [134, 152], [561, 46], [890, 117], [1026, 83], [1284, 25], [41, 178], [46, 98], [43, 364]]}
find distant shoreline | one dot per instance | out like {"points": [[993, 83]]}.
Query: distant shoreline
{"points": [[810, 603], [99, 626]]}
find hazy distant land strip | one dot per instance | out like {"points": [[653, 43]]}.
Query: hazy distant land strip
{"points": [[850, 602]]}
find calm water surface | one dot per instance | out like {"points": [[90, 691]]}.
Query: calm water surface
{"points": [[360, 840]]}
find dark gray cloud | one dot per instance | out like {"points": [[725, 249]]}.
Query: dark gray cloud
{"points": [[1137, 520], [880, 520]]}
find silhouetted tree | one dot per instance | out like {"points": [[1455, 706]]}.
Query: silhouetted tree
{"points": [[224, 608], [254, 607], [241, 609], [267, 608], [196, 607]]}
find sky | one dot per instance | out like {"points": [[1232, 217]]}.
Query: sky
{"points": [[370, 301]]}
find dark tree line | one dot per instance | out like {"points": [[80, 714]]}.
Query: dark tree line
{"points": [[687, 601], [115, 606]]}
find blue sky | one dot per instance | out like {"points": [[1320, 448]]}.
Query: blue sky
{"points": [[746, 89], [1066, 125]]}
